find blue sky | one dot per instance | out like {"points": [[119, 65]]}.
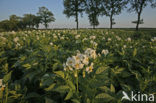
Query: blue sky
{"points": [[20, 7]]}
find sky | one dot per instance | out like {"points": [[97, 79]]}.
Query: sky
{"points": [[20, 7]]}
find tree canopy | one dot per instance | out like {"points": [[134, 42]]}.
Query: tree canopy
{"points": [[137, 6], [46, 16], [93, 9], [73, 8], [112, 8]]}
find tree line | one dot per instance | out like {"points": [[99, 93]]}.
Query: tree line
{"points": [[109, 8], [74, 8], [28, 21]]}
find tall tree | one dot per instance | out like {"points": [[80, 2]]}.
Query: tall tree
{"points": [[46, 16], [93, 9], [137, 6], [73, 8], [112, 8]]}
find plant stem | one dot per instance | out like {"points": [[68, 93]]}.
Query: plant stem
{"points": [[77, 83], [6, 99]]}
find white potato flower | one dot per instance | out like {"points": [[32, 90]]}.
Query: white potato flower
{"points": [[37, 37], [70, 62], [93, 54], [16, 39], [87, 52], [90, 53], [78, 66], [80, 56], [118, 38], [129, 39], [65, 67], [93, 37], [153, 39], [109, 39], [94, 43], [124, 46], [105, 52], [90, 68], [62, 38], [84, 39], [85, 60], [77, 36], [51, 43]]}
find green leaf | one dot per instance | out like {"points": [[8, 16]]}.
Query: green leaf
{"points": [[27, 66], [71, 85], [104, 88], [75, 101], [69, 95], [104, 96], [62, 88], [125, 74], [7, 77], [88, 100], [134, 52], [6, 67], [48, 100], [118, 70], [112, 88], [60, 73], [100, 70], [32, 95], [50, 87]]}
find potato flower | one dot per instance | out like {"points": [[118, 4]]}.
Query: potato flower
{"points": [[51, 43], [118, 38], [77, 36], [153, 39], [91, 53], [70, 62], [109, 39], [129, 39], [85, 60], [16, 39], [105, 52], [90, 68], [92, 37]]}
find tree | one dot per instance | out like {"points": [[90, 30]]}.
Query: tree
{"points": [[93, 9], [14, 20], [112, 8], [73, 8], [5, 25], [137, 6], [37, 21], [46, 16], [28, 20]]}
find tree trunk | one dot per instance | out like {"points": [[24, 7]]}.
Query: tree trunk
{"points": [[111, 22], [93, 22], [45, 25], [93, 26], [138, 21], [139, 14], [77, 21]]}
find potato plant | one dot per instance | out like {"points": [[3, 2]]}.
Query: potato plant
{"points": [[69, 66]]}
